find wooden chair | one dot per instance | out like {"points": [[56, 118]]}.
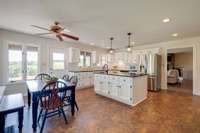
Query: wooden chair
{"points": [[43, 76], [66, 77], [51, 101], [67, 99]]}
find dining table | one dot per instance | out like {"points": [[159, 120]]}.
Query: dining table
{"points": [[34, 90]]}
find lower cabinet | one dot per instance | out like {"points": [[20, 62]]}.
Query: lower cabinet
{"points": [[85, 79], [115, 87], [128, 90]]}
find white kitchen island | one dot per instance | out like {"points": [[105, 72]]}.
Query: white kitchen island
{"points": [[125, 88]]}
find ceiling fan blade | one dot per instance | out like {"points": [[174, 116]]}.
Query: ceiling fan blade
{"points": [[69, 36], [40, 34], [40, 27], [59, 37]]}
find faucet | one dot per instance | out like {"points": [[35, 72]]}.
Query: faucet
{"points": [[105, 67]]}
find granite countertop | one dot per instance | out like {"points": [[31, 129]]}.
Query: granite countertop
{"points": [[124, 74], [77, 71]]}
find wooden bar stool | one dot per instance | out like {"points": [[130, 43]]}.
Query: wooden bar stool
{"points": [[10, 104]]}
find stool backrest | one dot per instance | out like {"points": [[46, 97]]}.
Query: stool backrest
{"points": [[43, 76], [66, 77], [52, 95], [74, 80]]}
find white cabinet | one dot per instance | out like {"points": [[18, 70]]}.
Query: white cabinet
{"points": [[74, 55], [128, 90], [85, 79], [121, 57], [116, 87], [94, 56]]}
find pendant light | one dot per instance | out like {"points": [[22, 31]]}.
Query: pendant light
{"points": [[111, 49], [129, 42]]}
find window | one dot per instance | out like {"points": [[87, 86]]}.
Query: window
{"points": [[58, 61], [88, 57], [32, 62], [85, 59], [81, 63], [23, 62], [15, 62]]}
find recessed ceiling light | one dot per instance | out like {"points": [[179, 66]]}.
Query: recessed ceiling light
{"points": [[166, 20], [66, 30], [175, 34]]}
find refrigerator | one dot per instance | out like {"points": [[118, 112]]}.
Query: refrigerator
{"points": [[154, 65]]}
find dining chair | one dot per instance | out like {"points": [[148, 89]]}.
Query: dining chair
{"points": [[51, 101], [66, 77], [43, 76], [67, 99]]}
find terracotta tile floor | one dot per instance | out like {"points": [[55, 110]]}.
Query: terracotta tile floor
{"points": [[161, 112]]}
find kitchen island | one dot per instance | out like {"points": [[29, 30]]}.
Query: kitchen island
{"points": [[127, 88]]}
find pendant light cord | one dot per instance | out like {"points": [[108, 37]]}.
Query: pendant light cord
{"points": [[111, 39], [129, 39]]}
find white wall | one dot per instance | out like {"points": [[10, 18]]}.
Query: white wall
{"points": [[44, 44], [189, 42], [185, 60]]}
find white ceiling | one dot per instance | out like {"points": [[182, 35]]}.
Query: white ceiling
{"points": [[94, 21]]}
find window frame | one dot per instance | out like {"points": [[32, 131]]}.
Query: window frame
{"points": [[38, 59], [84, 58], [24, 59], [51, 59]]}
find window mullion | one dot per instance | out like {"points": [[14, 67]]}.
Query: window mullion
{"points": [[24, 63]]}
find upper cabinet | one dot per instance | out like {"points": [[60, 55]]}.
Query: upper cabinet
{"points": [[74, 55], [94, 57]]}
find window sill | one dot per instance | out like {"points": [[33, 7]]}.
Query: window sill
{"points": [[15, 82]]}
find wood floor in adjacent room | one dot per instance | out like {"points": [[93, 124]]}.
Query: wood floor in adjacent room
{"points": [[162, 112]]}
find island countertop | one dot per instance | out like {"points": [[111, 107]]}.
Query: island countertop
{"points": [[123, 74]]}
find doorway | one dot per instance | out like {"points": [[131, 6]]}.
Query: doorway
{"points": [[180, 70]]}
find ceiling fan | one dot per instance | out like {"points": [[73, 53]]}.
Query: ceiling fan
{"points": [[56, 29]]}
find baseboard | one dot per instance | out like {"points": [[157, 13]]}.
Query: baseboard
{"points": [[139, 101]]}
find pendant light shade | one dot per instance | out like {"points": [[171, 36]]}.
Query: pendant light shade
{"points": [[111, 50], [129, 42]]}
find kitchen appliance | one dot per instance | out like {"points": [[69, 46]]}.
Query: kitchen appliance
{"points": [[154, 72]]}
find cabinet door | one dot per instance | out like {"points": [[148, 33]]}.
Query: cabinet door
{"points": [[74, 55], [113, 89], [97, 83], [124, 92]]}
